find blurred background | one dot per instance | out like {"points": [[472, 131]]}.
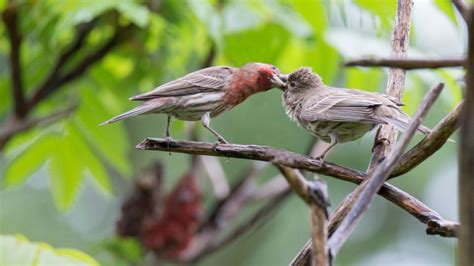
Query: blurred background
{"points": [[64, 182]]}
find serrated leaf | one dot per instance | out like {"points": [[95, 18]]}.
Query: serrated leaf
{"points": [[66, 174], [447, 8], [111, 140], [88, 159], [27, 162], [17, 250]]}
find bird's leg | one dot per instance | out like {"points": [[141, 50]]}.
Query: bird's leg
{"points": [[167, 133], [206, 119], [333, 143]]}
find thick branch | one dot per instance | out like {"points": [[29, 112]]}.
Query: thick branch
{"points": [[387, 135], [10, 18], [319, 223], [407, 64], [431, 143], [364, 193], [253, 152], [466, 161]]}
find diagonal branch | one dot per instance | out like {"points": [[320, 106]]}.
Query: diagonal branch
{"points": [[10, 18], [52, 85], [463, 9], [407, 64], [52, 78], [22, 125], [431, 143], [365, 192]]}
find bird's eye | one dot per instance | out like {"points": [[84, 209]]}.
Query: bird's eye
{"points": [[274, 68], [292, 84]]}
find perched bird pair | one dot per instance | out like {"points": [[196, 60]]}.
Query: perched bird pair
{"points": [[334, 115]]}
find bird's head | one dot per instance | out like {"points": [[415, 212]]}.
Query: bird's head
{"points": [[268, 76], [302, 79]]}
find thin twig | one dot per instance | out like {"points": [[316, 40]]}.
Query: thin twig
{"points": [[216, 176], [22, 125], [387, 134], [243, 227], [431, 143], [10, 18], [466, 160], [407, 64], [364, 193]]}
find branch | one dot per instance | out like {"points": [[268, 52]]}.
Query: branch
{"points": [[243, 227], [51, 86], [364, 193], [253, 152], [407, 64], [10, 18], [463, 9], [50, 83], [431, 143], [319, 223], [466, 160], [18, 126], [387, 134]]}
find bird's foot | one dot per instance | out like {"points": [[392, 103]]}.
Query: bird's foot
{"points": [[382, 141], [320, 158], [168, 139]]}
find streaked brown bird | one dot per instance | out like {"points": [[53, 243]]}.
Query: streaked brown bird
{"points": [[337, 115], [205, 93]]}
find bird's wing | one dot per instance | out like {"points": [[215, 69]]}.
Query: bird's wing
{"points": [[204, 80], [342, 107]]}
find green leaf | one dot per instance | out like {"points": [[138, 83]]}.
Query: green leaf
{"points": [[384, 10], [127, 249], [452, 84], [259, 45], [88, 159], [447, 8], [313, 12], [363, 79], [17, 250], [111, 140], [136, 13], [66, 173], [21, 167]]}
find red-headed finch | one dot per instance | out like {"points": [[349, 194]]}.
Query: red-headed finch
{"points": [[205, 93], [337, 115]]}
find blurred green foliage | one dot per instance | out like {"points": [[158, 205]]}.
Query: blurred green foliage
{"points": [[168, 39]]}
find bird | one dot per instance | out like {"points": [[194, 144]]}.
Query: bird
{"points": [[204, 94], [338, 115]]}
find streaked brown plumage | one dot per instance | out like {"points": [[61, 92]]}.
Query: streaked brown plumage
{"points": [[205, 93], [337, 115]]}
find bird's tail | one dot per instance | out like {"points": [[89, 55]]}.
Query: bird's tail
{"points": [[134, 112], [402, 124]]}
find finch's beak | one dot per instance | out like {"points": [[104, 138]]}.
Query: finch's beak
{"points": [[277, 81]]}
